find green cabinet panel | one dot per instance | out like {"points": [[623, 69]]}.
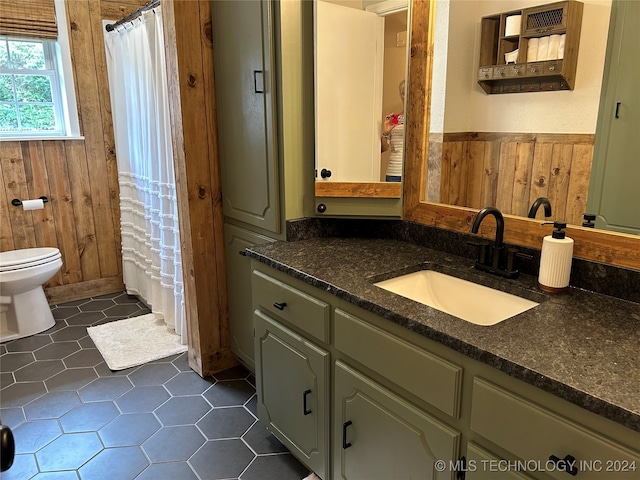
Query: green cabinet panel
{"points": [[245, 83], [534, 434], [613, 191], [236, 239], [292, 376], [388, 355], [290, 304], [482, 465], [379, 436]]}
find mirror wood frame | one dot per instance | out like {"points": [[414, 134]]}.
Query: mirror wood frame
{"points": [[614, 248]]}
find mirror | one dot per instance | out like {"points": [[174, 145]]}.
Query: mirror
{"points": [[360, 56], [493, 111]]}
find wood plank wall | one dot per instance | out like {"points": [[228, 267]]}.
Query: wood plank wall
{"points": [[79, 177], [189, 51], [509, 171]]}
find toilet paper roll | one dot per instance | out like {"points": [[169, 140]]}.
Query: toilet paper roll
{"points": [[554, 45], [532, 50], [561, 46], [512, 25], [543, 48], [37, 204]]}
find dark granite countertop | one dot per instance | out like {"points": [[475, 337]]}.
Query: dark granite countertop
{"points": [[580, 346]]}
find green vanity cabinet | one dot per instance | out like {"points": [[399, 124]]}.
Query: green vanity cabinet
{"points": [[236, 239], [292, 376], [387, 403], [379, 436], [292, 369]]}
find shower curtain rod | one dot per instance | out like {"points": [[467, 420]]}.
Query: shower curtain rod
{"points": [[153, 3]]}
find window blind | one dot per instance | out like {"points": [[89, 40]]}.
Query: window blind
{"points": [[28, 18]]}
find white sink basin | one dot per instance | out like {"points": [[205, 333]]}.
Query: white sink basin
{"points": [[466, 300]]}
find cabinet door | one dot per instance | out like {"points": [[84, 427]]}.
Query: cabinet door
{"points": [[246, 116], [239, 287], [613, 192], [291, 382], [379, 436]]}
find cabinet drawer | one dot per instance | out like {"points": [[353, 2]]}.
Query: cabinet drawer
{"points": [[482, 465], [534, 434], [485, 73], [553, 67], [291, 304], [516, 71], [534, 69], [427, 376]]}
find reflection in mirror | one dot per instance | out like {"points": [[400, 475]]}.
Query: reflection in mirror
{"points": [[360, 61], [508, 150], [462, 92]]}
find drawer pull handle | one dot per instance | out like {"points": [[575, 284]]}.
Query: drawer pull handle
{"points": [[305, 410], [280, 306], [345, 425], [567, 464]]}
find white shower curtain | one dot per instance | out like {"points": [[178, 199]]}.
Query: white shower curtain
{"points": [[152, 267]]}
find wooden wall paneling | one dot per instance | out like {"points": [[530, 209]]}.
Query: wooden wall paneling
{"points": [[507, 170], [182, 187], [445, 174], [458, 173], [510, 171], [62, 208], [541, 174], [476, 174], [522, 179], [579, 184], [6, 233], [559, 178], [38, 182], [16, 187], [491, 170], [82, 51], [108, 140], [81, 195], [220, 357], [188, 64]]}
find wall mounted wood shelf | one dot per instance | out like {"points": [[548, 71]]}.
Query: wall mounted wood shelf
{"points": [[543, 41]]}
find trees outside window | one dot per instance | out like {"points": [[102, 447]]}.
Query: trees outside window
{"points": [[30, 96]]}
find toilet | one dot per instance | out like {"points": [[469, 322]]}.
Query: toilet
{"points": [[24, 309]]}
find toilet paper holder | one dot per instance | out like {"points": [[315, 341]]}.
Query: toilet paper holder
{"points": [[16, 202]]}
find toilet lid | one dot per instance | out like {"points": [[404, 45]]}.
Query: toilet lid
{"points": [[27, 257]]}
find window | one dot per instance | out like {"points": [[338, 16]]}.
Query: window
{"points": [[37, 95], [30, 97]]}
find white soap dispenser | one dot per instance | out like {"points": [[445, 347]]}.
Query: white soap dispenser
{"points": [[555, 261]]}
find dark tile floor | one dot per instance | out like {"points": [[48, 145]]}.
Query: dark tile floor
{"points": [[73, 418]]}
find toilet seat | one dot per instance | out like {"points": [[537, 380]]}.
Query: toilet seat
{"points": [[27, 257]]}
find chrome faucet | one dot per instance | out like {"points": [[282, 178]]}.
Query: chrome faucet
{"points": [[491, 258], [538, 202]]}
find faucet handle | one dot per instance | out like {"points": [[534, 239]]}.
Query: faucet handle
{"points": [[512, 254], [483, 250]]}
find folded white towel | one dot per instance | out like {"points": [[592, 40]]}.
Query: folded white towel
{"points": [[561, 46], [512, 25], [543, 49], [532, 49], [554, 45], [313, 476]]}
